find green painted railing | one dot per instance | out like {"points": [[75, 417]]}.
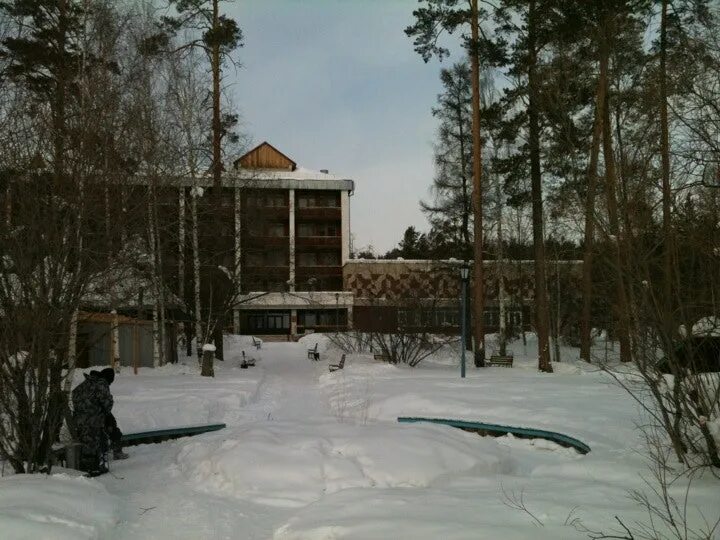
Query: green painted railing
{"points": [[158, 435], [497, 430]]}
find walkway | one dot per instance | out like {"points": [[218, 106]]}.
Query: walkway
{"points": [[156, 496]]}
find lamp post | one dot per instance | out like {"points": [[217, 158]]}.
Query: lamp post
{"points": [[464, 274]]}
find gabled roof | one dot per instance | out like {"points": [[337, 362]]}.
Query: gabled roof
{"points": [[265, 156]]}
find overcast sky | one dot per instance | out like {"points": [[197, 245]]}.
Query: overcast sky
{"points": [[335, 84]]}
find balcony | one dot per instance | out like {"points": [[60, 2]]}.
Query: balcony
{"points": [[318, 241], [262, 241], [265, 270], [267, 213], [319, 213]]}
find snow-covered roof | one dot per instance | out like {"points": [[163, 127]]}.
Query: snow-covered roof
{"points": [[265, 163], [300, 173]]}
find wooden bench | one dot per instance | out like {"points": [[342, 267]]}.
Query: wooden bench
{"points": [[381, 357], [257, 343], [339, 365], [501, 361], [313, 353]]}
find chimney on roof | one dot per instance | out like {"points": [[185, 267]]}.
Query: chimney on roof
{"points": [[325, 171]]}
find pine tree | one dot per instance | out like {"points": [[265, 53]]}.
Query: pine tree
{"points": [[431, 20], [414, 245], [529, 27], [46, 59], [452, 185]]}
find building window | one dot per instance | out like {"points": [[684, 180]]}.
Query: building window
{"points": [[269, 321], [324, 317], [228, 260], [227, 199], [255, 229], [306, 229], [254, 200], [275, 257], [320, 258], [167, 197], [307, 259], [318, 200], [328, 258], [254, 259], [428, 318], [318, 229], [275, 201], [276, 230]]}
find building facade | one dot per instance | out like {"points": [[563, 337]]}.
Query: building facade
{"points": [[424, 295], [294, 238]]}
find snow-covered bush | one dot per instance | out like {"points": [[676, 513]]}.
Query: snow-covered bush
{"points": [[406, 348], [351, 342]]}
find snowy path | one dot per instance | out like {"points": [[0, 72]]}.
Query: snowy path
{"points": [[289, 391], [157, 498]]}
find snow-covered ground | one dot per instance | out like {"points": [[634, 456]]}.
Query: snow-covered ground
{"points": [[316, 455]]}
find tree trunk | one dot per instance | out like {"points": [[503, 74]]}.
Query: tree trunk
{"points": [[156, 337], [157, 281], [199, 338], [478, 274], [466, 204], [541, 301], [181, 255], [72, 353], [218, 339], [123, 217], [556, 326], [58, 103], [216, 125], [468, 333], [585, 317], [502, 330], [520, 299], [214, 317], [188, 339], [8, 206], [667, 318], [115, 340], [621, 303], [162, 335]]}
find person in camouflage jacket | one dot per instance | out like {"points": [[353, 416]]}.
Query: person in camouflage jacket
{"points": [[92, 405]]}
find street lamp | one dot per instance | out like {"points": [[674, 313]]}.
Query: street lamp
{"points": [[464, 276]]}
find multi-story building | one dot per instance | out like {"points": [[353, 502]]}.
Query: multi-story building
{"points": [[294, 240]]}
